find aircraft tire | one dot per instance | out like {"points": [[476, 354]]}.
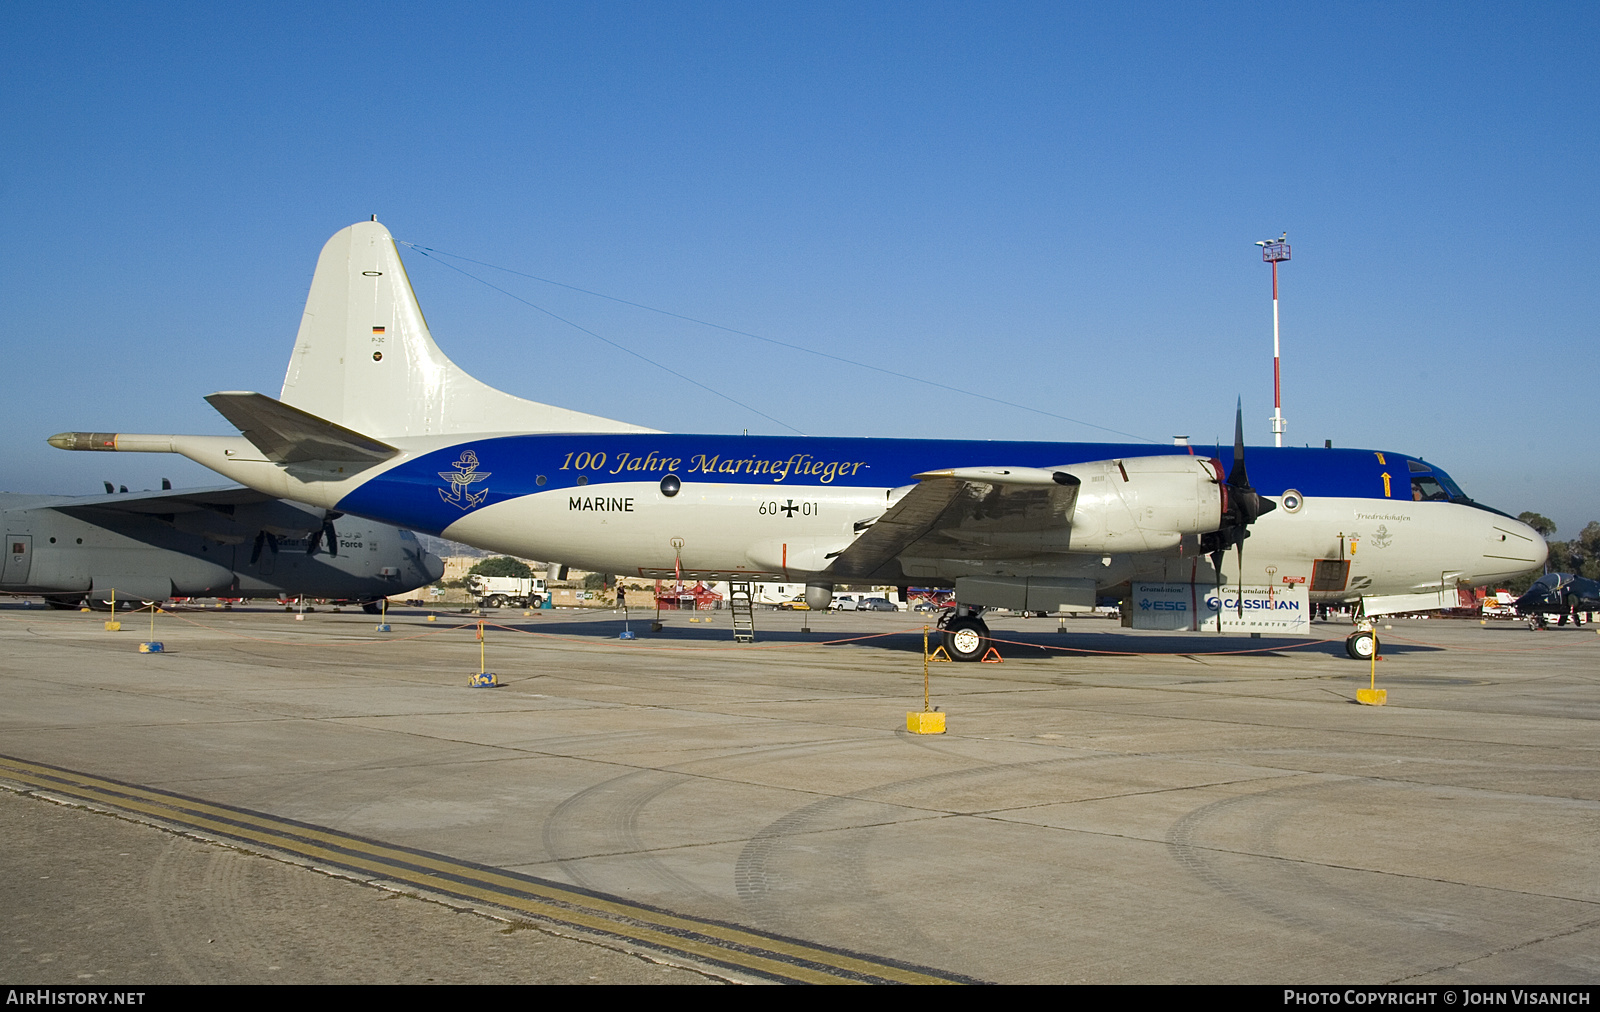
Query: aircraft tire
{"points": [[371, 607], [1359, 646], [966, 639], [64, 602]]}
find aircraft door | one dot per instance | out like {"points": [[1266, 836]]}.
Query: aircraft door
{"points": [[18, 558]]}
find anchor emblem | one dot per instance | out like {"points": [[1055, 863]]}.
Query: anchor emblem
{"points": [[461, 480]]}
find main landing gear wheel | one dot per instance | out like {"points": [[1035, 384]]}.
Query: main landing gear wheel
{"points": [[965, 638], [1360, 645]]}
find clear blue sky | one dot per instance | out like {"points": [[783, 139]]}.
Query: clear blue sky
{"points": [[1051, 204]]}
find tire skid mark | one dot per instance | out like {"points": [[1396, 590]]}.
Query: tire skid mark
{"points": [[1367, 921]]}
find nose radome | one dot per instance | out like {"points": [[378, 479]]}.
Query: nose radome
{"points": [[1541, 549], [433, 566], [1522, 544]]}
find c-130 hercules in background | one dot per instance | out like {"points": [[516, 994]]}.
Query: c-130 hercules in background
{"points": [[205, 542], [374, 420]]}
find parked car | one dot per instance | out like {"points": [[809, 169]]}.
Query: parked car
{"points": [[875, 604], [796, 603]]}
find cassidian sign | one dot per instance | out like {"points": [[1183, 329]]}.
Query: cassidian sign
{"points": [[1279, 611]]}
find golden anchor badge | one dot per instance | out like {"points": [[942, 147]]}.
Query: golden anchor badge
{"points": [[465, 475]]}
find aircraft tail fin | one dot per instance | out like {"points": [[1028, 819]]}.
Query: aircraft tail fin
{"points": [[365, 361]]}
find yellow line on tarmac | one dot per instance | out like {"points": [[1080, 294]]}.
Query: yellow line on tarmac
{"points": [[771, 956]]}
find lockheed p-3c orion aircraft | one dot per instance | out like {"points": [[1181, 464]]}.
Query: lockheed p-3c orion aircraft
{"points": [[374, 420]]}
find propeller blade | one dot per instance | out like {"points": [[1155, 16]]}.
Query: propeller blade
{"points": [[1237, 476], [1216, 564], [325, 531], [1242, 506], [1241, 579], [1245, 505]]}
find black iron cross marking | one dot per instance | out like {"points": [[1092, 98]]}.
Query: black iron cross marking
{"points": [[789, 508]]}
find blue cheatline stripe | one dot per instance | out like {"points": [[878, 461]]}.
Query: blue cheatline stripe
{"points": [[436, 489]]}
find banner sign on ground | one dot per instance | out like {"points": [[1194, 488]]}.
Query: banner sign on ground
{"points": [[1274, 611]]}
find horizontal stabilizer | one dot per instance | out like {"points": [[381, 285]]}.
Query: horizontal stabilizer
{"points": [[288, 435]]}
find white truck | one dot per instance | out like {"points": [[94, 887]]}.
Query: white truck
{"points": [[501, 591], [1500, 604]]}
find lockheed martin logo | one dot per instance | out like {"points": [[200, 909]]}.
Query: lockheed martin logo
{"points": [[465, 475]]}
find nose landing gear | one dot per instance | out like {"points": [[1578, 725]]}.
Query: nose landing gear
{"points": [[966, 636], [1362, 643]]}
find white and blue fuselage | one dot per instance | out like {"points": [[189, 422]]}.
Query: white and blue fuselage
{"points": [[374, 420]]}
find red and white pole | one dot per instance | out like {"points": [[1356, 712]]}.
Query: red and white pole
{"points": [[1277, 370], [1273, 251]]}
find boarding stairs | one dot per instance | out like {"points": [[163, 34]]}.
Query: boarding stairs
{"points": [[744, 618]]}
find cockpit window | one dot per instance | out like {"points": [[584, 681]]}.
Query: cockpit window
{"points": [[1434, 487], [1425, 489], [1456, 495], [1440, 487]]}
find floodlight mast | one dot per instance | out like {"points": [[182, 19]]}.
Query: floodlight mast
{"points": [[1273, 251]]}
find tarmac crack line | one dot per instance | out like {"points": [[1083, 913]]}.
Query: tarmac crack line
{"points": [[1502, 950]]}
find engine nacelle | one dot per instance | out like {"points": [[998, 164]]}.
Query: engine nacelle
{"points": [[1143, 504]]}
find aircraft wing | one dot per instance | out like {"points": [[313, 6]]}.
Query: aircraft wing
{"points": [[165, 502], [288, 435], [963, 510], [228, 514]]}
